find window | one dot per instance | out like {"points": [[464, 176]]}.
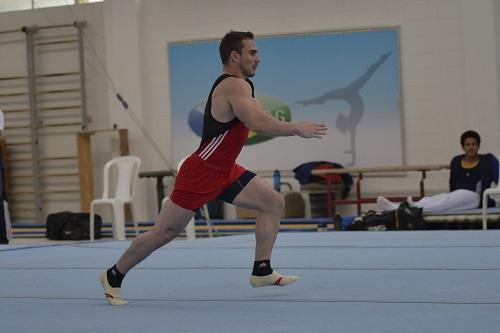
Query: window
{"points": [[12, 5]]}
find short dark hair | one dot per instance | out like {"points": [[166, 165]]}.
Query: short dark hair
{"points": [[470, 134], [232, 41]]}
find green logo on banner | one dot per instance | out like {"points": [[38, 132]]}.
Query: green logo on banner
{"points": [[276, 108]]}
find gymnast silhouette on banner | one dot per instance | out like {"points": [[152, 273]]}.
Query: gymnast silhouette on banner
{"points": [[352, 96]]}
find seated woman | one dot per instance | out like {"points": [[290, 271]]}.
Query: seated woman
{"points": [[470, 174]]}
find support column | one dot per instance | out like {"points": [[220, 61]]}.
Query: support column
{"points": [[79, 25], [30, 52], [85, 171]]}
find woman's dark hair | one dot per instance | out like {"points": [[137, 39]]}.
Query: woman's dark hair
{"points": [[232, 41], [470, 134]]}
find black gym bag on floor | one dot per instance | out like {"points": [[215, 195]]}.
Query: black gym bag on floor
{"points": [[72, 226], [403, 218]]}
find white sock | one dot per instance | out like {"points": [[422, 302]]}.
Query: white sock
{"points": [[410, 202], [385, 204]]}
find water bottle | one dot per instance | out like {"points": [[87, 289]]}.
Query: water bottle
{"points": [[277, 180], [337, 223]]}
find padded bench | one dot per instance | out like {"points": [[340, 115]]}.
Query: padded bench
{"points": [[461, 218]]}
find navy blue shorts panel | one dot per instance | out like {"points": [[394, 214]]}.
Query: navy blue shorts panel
{"points": [[235, 188]]}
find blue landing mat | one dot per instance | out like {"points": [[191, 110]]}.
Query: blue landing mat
{"points": [[419, 281]]}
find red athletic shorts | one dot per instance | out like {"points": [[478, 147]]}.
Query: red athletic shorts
{"points": [[199, 182]]}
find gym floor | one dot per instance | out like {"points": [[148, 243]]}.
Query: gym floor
{"points": [[417, 281]]}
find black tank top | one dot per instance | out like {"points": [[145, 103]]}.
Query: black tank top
{"points": [[212, 127]]}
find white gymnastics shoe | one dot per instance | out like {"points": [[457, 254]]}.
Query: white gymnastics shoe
{"points": [[273, 279]]}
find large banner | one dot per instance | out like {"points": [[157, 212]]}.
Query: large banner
{"points": [[348, 80]]}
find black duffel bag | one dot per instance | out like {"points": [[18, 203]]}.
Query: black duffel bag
{"points": [[408, 218], [72, 226], [403, 218], [374, 221]]}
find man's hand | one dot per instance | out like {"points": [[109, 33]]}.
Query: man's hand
{"points": [[309, 129]]}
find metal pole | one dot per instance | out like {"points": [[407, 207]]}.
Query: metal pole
{"points": [[30, 53], [54, 26], [9, 31], [83, 91]]}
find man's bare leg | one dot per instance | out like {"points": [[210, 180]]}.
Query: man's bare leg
{"points": [[259, 195], [169, 223]]}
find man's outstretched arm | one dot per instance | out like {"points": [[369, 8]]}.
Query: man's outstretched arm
{"points": [[250, 112]]}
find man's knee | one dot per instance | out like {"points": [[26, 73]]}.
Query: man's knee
{"points": [[164, 236], [274, 203]]}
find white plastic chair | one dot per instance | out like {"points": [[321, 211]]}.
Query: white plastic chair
{"points": [[190, 229], [128, 168], [488, 192]]}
